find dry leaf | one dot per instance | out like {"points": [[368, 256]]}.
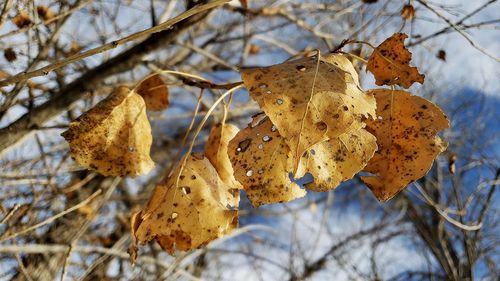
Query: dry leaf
{"points": [[253, 49], [114, 137], [441, 55], [188, 214], [390, 63], [304, 118], [260, 160], [216, 152], [337, 160], [45, 12], [22, 19], [155, 93], [9, 54], [408, 12], [345, 64], [407, 143]]}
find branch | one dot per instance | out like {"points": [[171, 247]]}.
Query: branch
{"points": [[461, 32], [35, 118], [106, 47]]}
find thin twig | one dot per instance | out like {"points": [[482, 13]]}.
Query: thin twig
{"points": [[53, 218], [106, 47]]}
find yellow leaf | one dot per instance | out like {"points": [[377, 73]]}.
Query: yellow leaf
{"points": [[407, 143], [260, 160], [216, 152], [188, 214], [390, 63], [114, 137], [155, 93], [338, 159], [305, 116]]}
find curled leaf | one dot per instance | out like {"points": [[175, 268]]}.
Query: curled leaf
{"points": [[407, 143], [45, 12], [259, 156], [216, 152], [114, 137], [408, 12], [22, 19], [390, 63], [154, 92], [309, 101], [191, 208]]}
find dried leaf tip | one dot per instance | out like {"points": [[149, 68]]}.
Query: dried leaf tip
{"points": [[155, 93]]}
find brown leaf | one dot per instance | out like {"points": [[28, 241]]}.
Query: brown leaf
{"points": [[22, 19], [188, 214], [407, 143], [253, 49], [408, 12], [390, 63], [9, 54], [155, 93], [114, 137], [259, 156], [305, 118], [45, 12], [441, 55], [216, 152]]}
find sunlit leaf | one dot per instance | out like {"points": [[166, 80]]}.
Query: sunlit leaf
{"points": [[390, 63], [261, 163], [406, 130], [189, 209], [114, 137], [305, 116]]}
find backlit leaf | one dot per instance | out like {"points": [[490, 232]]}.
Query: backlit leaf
{"points": [[216, 152], [155, 93]]}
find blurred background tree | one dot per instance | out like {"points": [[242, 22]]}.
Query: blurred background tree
{"points": [[59, 221]]}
